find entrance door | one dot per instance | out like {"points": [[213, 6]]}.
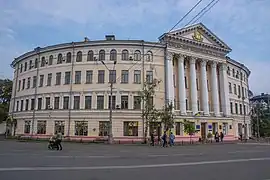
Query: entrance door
{"points": [[203, 130]]}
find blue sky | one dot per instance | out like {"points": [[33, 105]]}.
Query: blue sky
{"points": [[242, 24]]}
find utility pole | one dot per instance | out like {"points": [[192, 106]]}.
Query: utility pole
{"points": [[258, 124], [110, 136]]}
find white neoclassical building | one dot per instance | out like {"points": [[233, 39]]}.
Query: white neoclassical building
{"points": [[64, 88]]}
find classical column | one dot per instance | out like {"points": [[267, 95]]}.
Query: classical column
{"points": [[181, 83], [193, 83], [224, 89], [169, 78], [204, 88], [214, 83]]}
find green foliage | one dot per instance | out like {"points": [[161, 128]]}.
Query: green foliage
{"points": [[5, 96], [261, 113], [209, 135], [150, 113], [189, 127], [166, 116]]}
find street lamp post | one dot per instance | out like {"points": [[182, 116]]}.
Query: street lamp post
{"points": [[110, 137]]}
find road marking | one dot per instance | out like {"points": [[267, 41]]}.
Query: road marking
{"points": [[235, 152], [259, 144], [168, 155], [131, 166], [93, 157]]}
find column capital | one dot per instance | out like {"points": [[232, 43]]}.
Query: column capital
{"points": [[214, 64], [203, 62], [223, 67], [170, 56], [181, 58], [193, 60]]}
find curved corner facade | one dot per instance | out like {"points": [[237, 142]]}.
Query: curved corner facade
{"points": [[64, 88]]}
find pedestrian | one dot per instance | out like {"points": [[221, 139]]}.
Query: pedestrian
{"points": [[221, 136], [164, 138], [216, 137], [152, 139], [58, 141], [172, 137]]}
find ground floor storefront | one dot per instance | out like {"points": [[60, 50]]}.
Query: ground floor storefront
{"points": [[129, 127]]}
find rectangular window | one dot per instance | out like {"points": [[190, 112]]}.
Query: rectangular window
{"points": [[56, 102], [113, 102], [36, 63], [124, 102], [59, 127], [89, 77], [186, 82], [137, 76], [27, 127], [131, 128], [41, 80], [244, 109], [197, 83], [17, 106], [137, 102], [241, 110], [236, 108], [58, 78], [88, 102], [25, 66], [234, 89], [21, 105], [103, 128], [81, 128], [41, 127], [239, 91], [23, 84], [66, 102], [124, 76], [76, 102], [28, 82], [243, 92], [26, 104], [19, 85], [47, 103], [67, 77], [33, 104], [230, 87], [49, 80], [149, 76], [39, 103], [112, 76], [30, 64], [100, 102], [101, 74], [78, 75], [34, 81], [179, 130], [174, 81], [231, 105], [21, 68]]}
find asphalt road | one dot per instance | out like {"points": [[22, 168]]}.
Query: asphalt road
{"points": [[32, 161]]}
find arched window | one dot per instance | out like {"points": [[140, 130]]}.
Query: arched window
{"points": [[50, 60], [90, 56], [149, 56], [125, 55], [113, 55], [68, 57], [101, 55], [137, 55], [36, 63], [233, 73], [43, 62], [59, 58], [79, 56], [229, 71]]}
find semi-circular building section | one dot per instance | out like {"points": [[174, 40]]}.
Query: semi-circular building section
{"points": [[65, 88]]}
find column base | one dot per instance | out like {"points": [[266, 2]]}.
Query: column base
{"points": [[183, 113]]}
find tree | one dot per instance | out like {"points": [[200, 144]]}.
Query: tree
{"points": [[189, 128], [260, 119], [5, 97], [150, 113], [166, 116]]}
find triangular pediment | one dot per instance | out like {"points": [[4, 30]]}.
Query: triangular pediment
{"points": [[199, 33]]}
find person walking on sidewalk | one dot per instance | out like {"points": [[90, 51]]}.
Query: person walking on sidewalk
{"points": [[221, 136], [164, 138], [172, 137]]}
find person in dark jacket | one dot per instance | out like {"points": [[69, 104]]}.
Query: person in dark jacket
{"points": [[164, 138]]}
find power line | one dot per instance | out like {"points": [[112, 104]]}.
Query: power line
{"points": [[167, 32], [205, 11], [200, 12]]}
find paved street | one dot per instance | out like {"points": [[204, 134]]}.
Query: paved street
{"points": [[31, 161]]}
